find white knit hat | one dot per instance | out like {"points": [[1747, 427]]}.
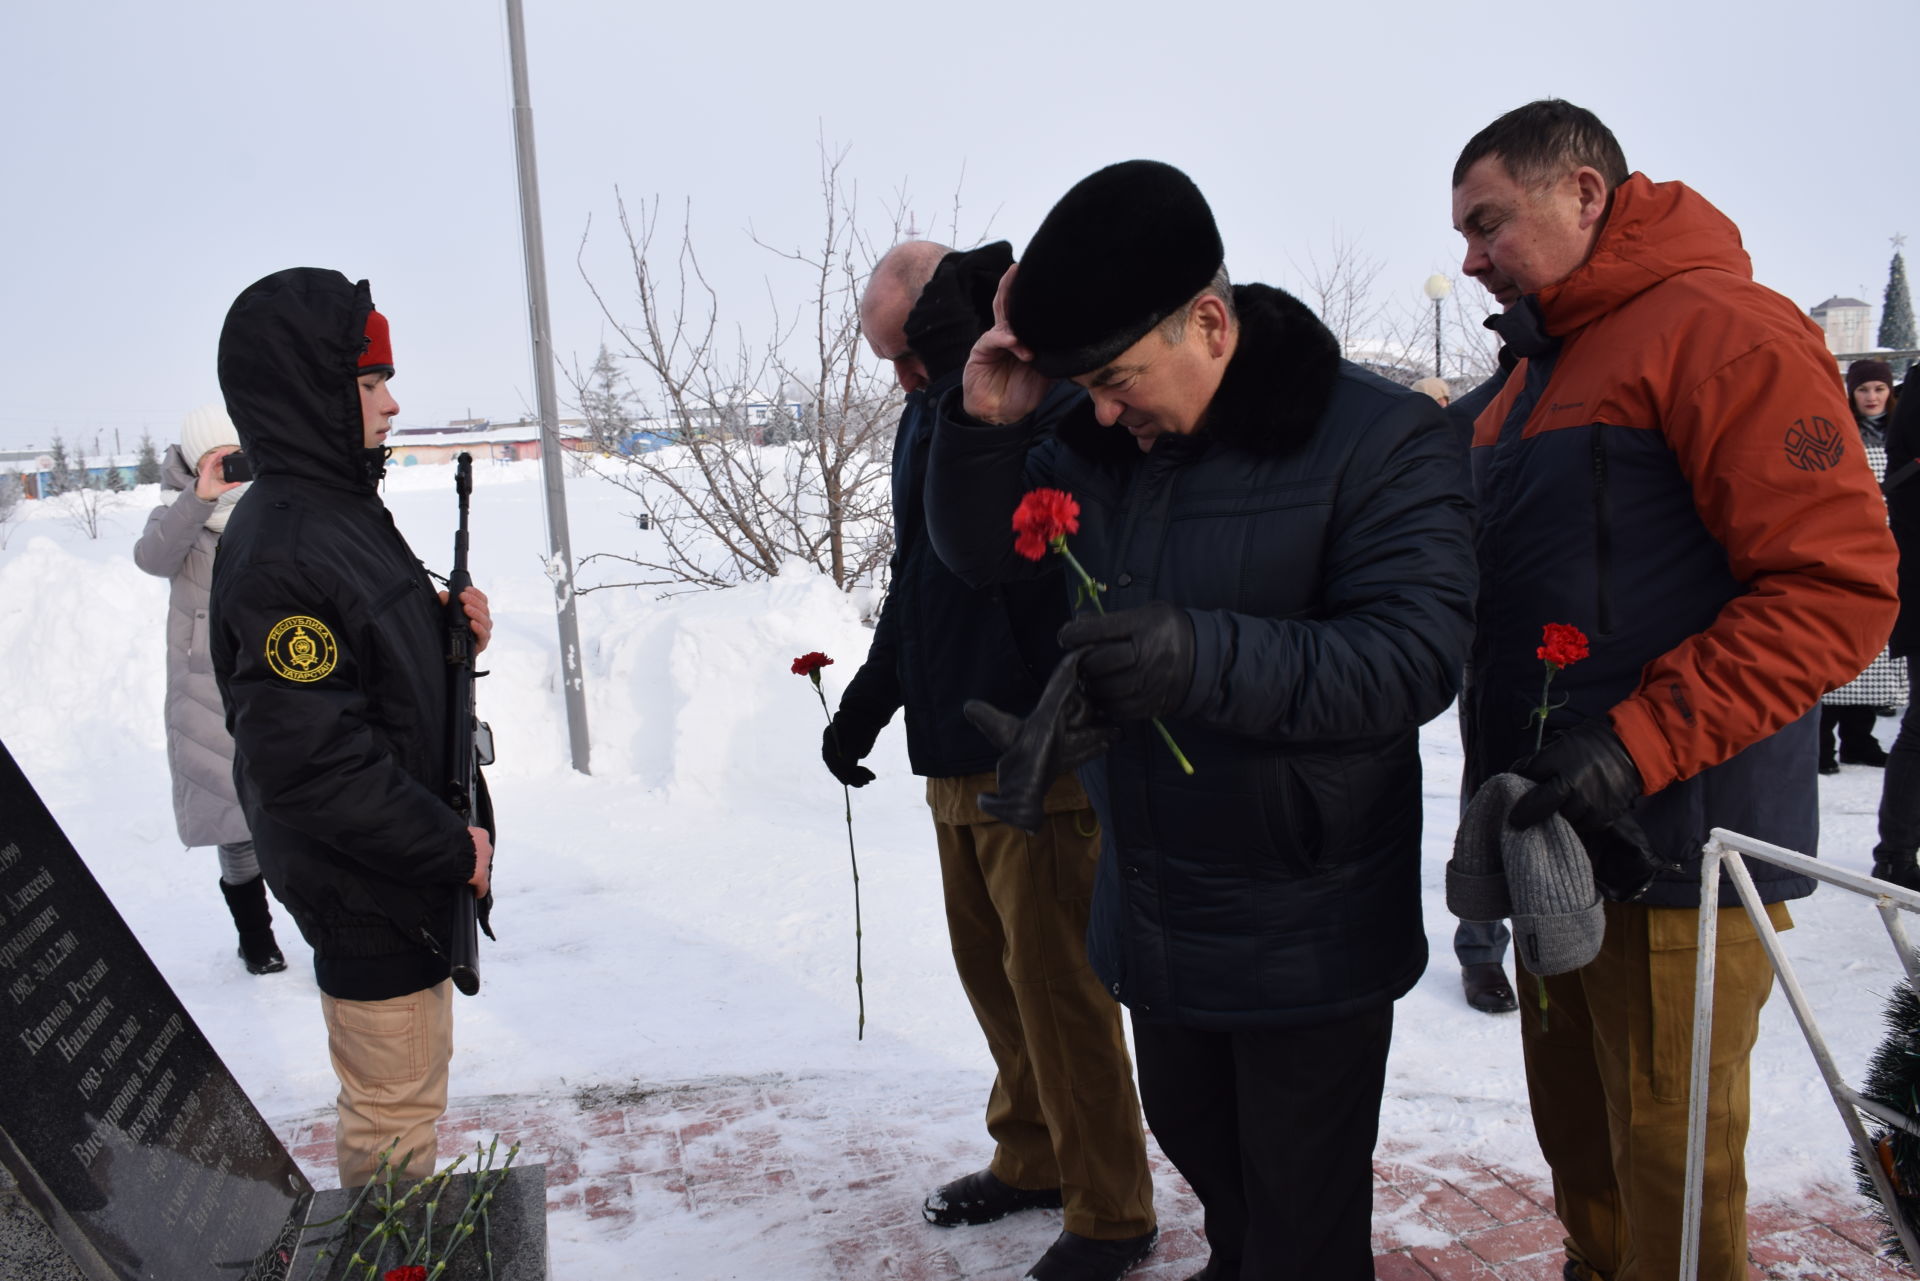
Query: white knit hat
{"points": [[207, 427]]}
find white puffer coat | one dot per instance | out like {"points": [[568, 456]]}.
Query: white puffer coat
{"points": [[177, 545]]}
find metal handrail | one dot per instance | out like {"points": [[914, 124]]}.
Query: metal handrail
{"points": [[1891, 900]]}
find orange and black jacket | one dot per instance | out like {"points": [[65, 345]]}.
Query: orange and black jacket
{"points": [[1673, 469]]}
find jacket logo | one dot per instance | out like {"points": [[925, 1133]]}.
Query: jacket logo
{"points": [[1815, 445], [301, 649]]}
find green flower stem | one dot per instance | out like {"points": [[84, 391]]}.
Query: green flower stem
{"points": [[846, 796], [1093, 591], [1540, 712]]}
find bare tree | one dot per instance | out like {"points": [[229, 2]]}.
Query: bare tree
{"points": [[772, 452], [1340, 287], [86, 506]]}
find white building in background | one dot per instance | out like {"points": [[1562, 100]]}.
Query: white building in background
{"points": [[1848, 323]]}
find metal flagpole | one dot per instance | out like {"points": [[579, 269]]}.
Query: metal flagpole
{"points": [[560, 550]]}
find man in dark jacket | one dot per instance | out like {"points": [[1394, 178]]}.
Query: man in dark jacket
{"points": [[1285, 541], [1894, 856], [1063, 1113], [329, 646], [1671, 467]]}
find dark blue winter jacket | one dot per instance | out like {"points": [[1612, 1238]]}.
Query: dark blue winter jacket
{"points": [[1317, 531], [939, 642]]}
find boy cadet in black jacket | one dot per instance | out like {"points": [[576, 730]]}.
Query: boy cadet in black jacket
{"points": [[327, 642], [1287, 545], [1062, 1113]]}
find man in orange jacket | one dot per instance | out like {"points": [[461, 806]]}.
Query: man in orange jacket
{"points": [[1670, 467]]}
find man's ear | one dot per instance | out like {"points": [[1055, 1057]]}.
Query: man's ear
{"points": [[1591, 189], [1210, 316]]}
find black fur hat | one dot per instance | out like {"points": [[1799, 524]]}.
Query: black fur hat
{"points": [[1122, 251]]}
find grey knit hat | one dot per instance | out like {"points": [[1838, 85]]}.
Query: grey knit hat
{"points": [[1540, 876]]}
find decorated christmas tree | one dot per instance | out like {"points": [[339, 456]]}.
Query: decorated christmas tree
{"points": [[1896, 310]]}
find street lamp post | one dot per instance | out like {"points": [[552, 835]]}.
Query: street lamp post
{"points": [[1438, 287]]}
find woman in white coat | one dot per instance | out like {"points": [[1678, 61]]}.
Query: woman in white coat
{"points": [[178, 544]]}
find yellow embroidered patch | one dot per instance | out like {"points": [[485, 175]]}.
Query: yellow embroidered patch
{"points": [[301, 649]]}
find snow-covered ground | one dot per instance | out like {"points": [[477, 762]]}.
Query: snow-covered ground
{"points": [[684, 913]]}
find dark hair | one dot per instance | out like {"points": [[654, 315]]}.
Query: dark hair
{"points": [[1544, 140]]}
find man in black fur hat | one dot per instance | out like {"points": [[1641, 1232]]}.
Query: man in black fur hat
{"points": [[1285, 545]]}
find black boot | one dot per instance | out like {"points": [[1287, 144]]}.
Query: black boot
{"points": [[1073, 1257], [981, 1197], [251, 917]]}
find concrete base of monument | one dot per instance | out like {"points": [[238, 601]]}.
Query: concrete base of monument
{"points": [[28, 1247], [516, 1230]]}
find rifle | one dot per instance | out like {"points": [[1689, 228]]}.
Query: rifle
{"points": [[469, 742]]}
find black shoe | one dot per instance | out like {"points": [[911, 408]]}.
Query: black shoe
{"points": [[1580, 1272], [981, 1198], [1829, 767], [1487, 988], [254, 921], [1073, 1257], [1867, 754]]}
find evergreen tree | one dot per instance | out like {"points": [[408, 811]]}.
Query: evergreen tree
{"points": [[607, 405], [111, 478], [1896, 311], [148, 470], [60, 477]]}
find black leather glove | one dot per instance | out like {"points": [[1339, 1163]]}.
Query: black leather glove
{"points": [[847, 741], [1139, 662], [1585, 776], [956, 307], [1060, 734]]}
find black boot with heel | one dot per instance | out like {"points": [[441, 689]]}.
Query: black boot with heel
{"points": [[254, 920]]}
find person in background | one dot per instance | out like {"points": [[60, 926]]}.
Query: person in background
{"points": [[1894, 855], [1479, 946], [1851, 709], [178, 544]]}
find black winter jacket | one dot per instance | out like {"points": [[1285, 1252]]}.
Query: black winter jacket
{"points": [[1318, 533], [938, 641], [328, 646], [1903, 513]]}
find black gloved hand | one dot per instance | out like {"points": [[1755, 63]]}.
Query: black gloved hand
{"points": [[1060, 734], [847, 741], [1585, 775], [1139, 662], [956, 307], [1624, 863]]}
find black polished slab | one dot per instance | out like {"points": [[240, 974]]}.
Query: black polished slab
{"points": [[118, 1121]]}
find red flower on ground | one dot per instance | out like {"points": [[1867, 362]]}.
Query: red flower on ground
{"points": [[1561, 644], [412, 1272], [810, 664], [1043, 517]]}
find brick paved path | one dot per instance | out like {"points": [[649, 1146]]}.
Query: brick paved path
{"points": [[709, 1181]]}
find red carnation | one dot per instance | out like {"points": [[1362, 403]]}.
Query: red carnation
{"points": [[1044, 517], [810, 664], [412, 1272], [1561, 644]]}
